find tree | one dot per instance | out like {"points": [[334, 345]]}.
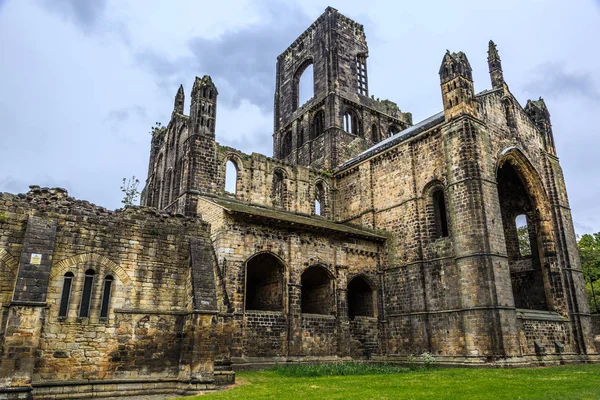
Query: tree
{"points": [[589, 251], [130, 190], [523, 236]]}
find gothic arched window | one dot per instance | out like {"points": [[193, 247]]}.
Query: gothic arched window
{"points": [[318, 125], [106, 292], [86, 296], [65, 296]]}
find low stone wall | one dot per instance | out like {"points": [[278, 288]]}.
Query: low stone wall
{"points": [[596, 330], [265, 333], [543, 333], [319, 335], [364, 334]]}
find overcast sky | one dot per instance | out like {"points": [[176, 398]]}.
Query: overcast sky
{"points": [[82, 81]]}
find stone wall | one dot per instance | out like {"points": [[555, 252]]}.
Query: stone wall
{"points": [[337, 257], [595, 322], [145, 253]]}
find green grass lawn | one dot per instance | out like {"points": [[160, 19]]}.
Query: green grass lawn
{"points": [[569, 382]]}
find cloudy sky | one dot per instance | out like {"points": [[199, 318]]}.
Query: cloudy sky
{"points": [[82, 81]]}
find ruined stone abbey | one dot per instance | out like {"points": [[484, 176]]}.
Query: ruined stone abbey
{"points": [[365, 237]]}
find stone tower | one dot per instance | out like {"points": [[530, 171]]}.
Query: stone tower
{"points": [[457, 85], [340, 120], [179, 101], [539, 114], [495, 66], [183, 156]]}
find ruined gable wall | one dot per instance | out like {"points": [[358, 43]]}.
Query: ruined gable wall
{"points": [[255, 177], [147, 253], [166, 179]]}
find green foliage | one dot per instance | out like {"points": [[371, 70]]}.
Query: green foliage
{"points": [[130, 191], [3, 217], [524, 245], [337, 369], [589, 252], [157, 128], [427, 360], [564, 383]]}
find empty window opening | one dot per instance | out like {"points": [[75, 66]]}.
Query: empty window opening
{"points": [[317, 126], [375, 133], [306, 87], [361, 75], [392, 130], [168, 189], [300, 137], [440, 216], [317, 207], [278, 193], [106, 291], [286, 147], [264, 283], [521, 226], [230, 177], [351, 124], [509, 114], [360, 298], [319, 199], [523, 235], [86, 297], [65, 295], [317, 291]]}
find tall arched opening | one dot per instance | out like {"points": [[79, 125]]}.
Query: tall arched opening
{"points": [[361, 298], [522, 220], [264, 283], [317, 291]]}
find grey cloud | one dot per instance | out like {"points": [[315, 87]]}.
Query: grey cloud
{"points": [[122, 114], [555, 80], [259, 142], [84, 13], [242, 61]]}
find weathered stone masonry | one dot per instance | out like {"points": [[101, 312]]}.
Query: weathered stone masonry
{"points": [[364, 237], [162, 305]]}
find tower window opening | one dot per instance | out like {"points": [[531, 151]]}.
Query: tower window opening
{"points": [[361, 75], [351, 124], [278, 193], [375, 133], [440, 216], [286, 147], [319, 199], [318, 124], [392, 130], [300, 137], [306, 86], [231, 177]]}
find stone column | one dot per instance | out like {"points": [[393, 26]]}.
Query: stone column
{"points": [[27, 310], [294, 320], [487, 306]]}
